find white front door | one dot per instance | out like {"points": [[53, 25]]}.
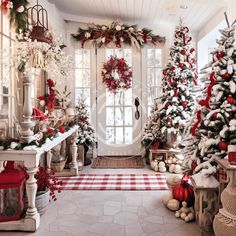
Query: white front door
{"points": [[118, 128]]}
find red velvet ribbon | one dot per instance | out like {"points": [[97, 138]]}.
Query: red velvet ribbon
{"points": [[199, 118]]}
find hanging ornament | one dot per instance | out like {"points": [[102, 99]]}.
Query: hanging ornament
{"points": [[184, 103], [181, 65], [230, 99], [223, 145]]}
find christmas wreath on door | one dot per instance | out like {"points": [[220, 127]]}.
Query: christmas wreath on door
{"points": [[116, 74]]}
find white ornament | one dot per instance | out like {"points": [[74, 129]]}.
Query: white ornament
{"points": [[20, 9], [118, 27], [173, 205]]}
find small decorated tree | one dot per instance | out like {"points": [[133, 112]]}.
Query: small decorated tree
{"points": [[152, 136], [86, 133], [216, 119], [179, 79]]}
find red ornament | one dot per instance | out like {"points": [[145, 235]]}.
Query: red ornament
{"points": [[192, 50], [169, 120], [184, 192], [172, 68], [167, 104], [230, 99], [183, 52], [202, 102], [215, 115], [193, 165], [227, 75], [184, 104], [219, 55], [223, 145], [181, 65], [62, 129]]}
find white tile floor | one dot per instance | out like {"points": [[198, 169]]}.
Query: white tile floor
{"points": [[108, 213]]}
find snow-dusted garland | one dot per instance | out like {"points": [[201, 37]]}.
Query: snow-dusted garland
{"points": [[116, 74], [117, 33]]}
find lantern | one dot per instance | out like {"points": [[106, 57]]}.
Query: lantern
{"points": [[184, 192], [12, 188]]}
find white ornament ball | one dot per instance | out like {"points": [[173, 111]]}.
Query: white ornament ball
{"points": [[167, 198], [162, 169], [173, 205], [118, 27], [183, 215], [177, 169], [42, 103], [20, 9], [161, 164], [177, 214], [172, 168]]}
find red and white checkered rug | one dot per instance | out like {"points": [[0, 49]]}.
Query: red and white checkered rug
{"points": [[130, 182]]}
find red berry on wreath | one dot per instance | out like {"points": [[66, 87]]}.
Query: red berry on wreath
{"points": [[167, 104], [223, 145], [181, 65], [183, 52], [184, 104], [230, 99], [192, 50], [215, 115]]}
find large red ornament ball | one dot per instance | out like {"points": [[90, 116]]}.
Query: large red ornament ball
{"points": [[181, 65], [184, 104], [227, 75], [184, 192], [183, 52], [223, 145], [230, 100]]}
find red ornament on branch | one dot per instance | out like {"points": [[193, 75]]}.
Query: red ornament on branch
{"points": [[184, 104], [230, 99], [223, 145], [226, 75], [181, 65], [116, 74], [183, 52]]}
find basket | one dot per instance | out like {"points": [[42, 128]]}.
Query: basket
{"points": [[58, 166]]}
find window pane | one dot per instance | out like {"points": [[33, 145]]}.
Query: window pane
{"points": [[119, 114], [86, 77], [110, 116], [128, 135], [128, 116], [78, 78], [119, 135], [86, 58], [110, 135]]}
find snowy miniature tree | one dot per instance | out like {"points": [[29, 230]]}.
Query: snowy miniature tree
{"points": [[216, 120], [179, 79], [151, 132], [86, 133]]}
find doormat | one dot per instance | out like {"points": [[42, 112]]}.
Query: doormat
{"points": [[118, 162], [131, 182]]}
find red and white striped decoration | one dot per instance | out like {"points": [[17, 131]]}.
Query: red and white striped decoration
{"points": [[130, 182]]}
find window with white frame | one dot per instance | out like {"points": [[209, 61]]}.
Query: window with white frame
{"points": [[83, 76], [153, 75]]}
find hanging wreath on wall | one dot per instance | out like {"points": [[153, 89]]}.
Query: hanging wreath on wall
{"points": [[116, 74]]}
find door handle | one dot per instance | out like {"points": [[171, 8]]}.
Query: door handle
{"points": [[137, 113]]}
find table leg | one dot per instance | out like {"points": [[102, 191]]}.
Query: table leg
{"points": [[74, 153]]}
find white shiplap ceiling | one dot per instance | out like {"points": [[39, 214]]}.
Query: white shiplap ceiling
{"points": [[163, 13]]}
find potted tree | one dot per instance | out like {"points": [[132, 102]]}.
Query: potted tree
{"points": [[86, 133]]}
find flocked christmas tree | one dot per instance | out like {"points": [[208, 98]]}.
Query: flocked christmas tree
{"points": [[216, 120], [178, 99], [179, 79], [86, 133]]}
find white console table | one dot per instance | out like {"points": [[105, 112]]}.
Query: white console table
{"points": [[31, 161]]}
